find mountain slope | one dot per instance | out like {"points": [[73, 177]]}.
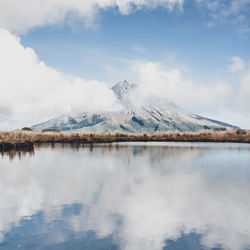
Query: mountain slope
{"points": [[134, 120]]}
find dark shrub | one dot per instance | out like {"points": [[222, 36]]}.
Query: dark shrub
{"points": [[51, 130], [27, 129], [241, 132], [220, 129]]}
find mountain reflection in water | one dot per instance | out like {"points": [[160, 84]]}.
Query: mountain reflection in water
{"points": [[128, 196]]}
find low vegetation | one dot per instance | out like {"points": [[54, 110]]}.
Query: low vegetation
{"points": [[51, 130], [26, 138], [27, 129]]}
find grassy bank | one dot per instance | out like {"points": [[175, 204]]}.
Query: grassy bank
{"points": [[26, 139]]}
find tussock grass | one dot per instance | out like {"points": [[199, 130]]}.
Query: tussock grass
{"points": [[21, 136]]}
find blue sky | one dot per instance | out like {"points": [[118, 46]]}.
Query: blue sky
{"points": [[179, 38], [60, 56]]}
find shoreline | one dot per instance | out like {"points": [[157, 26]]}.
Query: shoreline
{"points": [[25, 140]]}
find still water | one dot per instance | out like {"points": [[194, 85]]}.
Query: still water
{"points": [[137, 196]]}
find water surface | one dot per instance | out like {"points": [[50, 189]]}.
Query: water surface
{"points": [[145, 196]]}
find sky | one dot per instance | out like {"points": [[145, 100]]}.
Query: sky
{"points": [[60, 56]]}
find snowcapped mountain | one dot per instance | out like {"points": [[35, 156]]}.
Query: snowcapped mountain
{"points": [[134, 120], [123, 88]]}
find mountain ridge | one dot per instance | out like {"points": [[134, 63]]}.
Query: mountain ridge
{"points": [[145, 119]]}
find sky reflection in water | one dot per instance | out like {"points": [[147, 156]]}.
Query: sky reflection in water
{"points": [[138, 196]]}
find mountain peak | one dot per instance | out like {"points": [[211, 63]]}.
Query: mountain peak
{"points": [[147, 119], [122, 88]]}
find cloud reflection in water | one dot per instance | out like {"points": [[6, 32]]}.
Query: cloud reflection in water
{"points": [[140, 196]]}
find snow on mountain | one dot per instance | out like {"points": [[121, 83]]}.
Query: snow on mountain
{"points": [[148, 118], [123, 88]]}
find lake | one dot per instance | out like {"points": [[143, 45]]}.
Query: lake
{"points": [[128, 196]]}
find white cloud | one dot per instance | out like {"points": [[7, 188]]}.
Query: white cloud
{"points": [[22, 15], [159, 82], [31, 91], [224, 8], [237, 64], [225, 100], [233, 11], [181, 194], [244, 92]]}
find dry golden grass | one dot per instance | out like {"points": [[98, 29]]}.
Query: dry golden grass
{"points": [[232, 135]]}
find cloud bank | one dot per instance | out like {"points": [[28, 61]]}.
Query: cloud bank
{"points": [[226, 99], [35, 13], [32, 91], [159, 82], [20, 16]]}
